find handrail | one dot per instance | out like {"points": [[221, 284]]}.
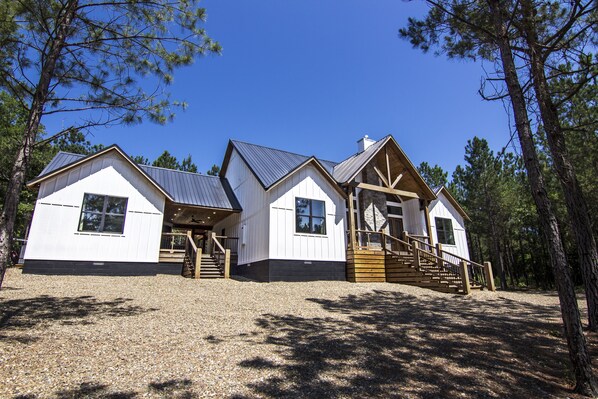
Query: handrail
{"points": [[221, 255], [192, 262], [420, 241]]}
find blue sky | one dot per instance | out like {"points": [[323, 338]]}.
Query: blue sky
{"points": [[313, 77]]}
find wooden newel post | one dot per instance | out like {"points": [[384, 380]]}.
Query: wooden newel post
{"points": [[489, 276], [227, 263], [439, 261], [465, 277], [198, 263], [415, 254]]}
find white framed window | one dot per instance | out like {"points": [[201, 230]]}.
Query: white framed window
{"points": [[310, 216], [103, 213]]}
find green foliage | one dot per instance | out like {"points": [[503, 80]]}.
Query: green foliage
{"points": [[214, 170], [12, 120], [116, 58], [187, 165], [435, 176], [140, 160], [166, 160]]}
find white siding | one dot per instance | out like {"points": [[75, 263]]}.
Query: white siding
{"points": [[441, 207], [54, 236], [413, 218], [285, 243], [254, 201]]}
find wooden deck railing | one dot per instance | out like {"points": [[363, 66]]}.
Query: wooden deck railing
{"points": [[173, 242]]}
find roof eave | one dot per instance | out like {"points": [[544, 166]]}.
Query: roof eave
{"points": [[87, 158]]}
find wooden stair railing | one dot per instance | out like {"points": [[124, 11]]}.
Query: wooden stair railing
{"points": [[221, 254], [192, 259], [432, 261], [477, 275]]}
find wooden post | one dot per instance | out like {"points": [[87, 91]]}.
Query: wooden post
{"points": [[415, 254], [405, 237], [439, 261], [227, 263], [428, 224], [489, 276], [351, 242], [465, 278], [197, 263]]}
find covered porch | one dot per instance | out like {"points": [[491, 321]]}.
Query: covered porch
{"points": [[189, 241], [389, 233]]}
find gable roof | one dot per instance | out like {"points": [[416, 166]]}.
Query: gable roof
{"points": [[452, 200], [348, 169], [270, 166], [180, 187]]}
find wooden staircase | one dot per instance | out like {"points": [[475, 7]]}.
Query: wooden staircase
{"points": [[400, 269], [414, 262], [209, 268]]}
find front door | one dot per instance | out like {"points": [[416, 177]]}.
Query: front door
{"points": [[396, 230]]}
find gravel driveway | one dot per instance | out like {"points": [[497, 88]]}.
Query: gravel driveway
{"points": [[165, 336]]}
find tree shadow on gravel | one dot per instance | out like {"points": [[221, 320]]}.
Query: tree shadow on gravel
{"points": [[175, 389], [393, 345], [27, 314]]}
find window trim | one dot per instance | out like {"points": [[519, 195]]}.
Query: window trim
{"points": [[103, 215], [311, 217], [439, 221]]}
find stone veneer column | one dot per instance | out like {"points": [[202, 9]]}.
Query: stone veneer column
{"points": [[374, 213]]}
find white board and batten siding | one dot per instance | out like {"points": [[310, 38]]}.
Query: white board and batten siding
{"points": [[285, 242], [442, 208], [54, 231], [251, 225]]}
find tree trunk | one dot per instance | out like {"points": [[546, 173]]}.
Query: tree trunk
{"points": [[15, 185], [576, 342], [577, 207]]}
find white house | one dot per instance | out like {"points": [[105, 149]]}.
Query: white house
{"points": [[283, 216]]}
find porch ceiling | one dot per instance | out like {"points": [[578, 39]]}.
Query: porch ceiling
{"points": [[185, 215]]}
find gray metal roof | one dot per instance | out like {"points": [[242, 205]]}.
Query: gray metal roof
{"points": [[61, 159], [184, 187], [194, 189], [270, 165], [345, 170]]}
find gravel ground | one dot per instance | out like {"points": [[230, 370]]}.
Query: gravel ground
{"points": [[169, 337]]}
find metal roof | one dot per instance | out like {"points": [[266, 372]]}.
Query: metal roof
{"points": [[194, 189], [184, 187], [270, 165], [344, 171], [61, 159]]}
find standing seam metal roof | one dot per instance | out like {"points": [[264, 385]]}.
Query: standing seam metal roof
{"points": [[346, 169], [184, 187], [270, 165]]}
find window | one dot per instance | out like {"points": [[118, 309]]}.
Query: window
{"points": [[311, 216], [102, 213], [394, 210], [444, 231]]}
